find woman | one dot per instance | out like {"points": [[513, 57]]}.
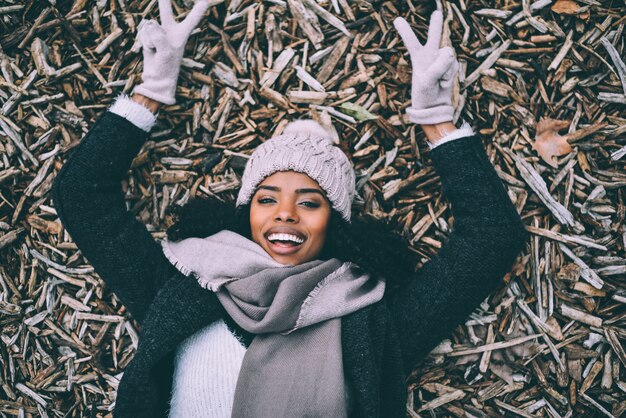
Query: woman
{"points": [[283, 304]]}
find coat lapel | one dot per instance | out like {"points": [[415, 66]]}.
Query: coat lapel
{"points": [[361, 361]]}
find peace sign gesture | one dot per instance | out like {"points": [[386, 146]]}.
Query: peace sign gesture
{"points": [[163, 48], [178, 33], [433, 69]]}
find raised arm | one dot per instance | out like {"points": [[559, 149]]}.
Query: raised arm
{"points": [[488, 233], [487, 236], [87, 191]]}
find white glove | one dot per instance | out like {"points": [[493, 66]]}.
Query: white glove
{"points": [[163, 48], [434, 69]]}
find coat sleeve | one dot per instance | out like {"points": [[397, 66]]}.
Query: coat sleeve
{"points": [[487, 236], [90, 203]]}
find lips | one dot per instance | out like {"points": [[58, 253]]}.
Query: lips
{"points": [[280, 248]]}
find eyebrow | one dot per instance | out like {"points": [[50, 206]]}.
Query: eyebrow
{"points": [[298, 191]]}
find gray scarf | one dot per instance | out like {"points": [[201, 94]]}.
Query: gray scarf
{"points": [[294, 365]]}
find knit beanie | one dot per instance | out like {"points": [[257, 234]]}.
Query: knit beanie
{"points": [[306, 147]]}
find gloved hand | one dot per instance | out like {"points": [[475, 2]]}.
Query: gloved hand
{"points": [[434, 69], [163, 48]]}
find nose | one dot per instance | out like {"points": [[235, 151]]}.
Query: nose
{"points": [[285, 211]]}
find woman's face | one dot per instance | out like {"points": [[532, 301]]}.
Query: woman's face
{"points": [[288, 206]]}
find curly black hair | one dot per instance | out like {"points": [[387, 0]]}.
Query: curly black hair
{"points": [[369, 243]]}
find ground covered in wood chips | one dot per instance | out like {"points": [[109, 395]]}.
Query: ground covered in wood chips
{"points": [[543, 81]]}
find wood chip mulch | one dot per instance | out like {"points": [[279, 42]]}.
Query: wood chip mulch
{"points": [[544, 82]]}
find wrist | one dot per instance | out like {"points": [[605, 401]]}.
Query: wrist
{"points": [[430, 114], [153, 105], [435, 132], [134, 111]]}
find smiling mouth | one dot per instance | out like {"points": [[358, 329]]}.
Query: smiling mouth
{"points": [[284, 247]]}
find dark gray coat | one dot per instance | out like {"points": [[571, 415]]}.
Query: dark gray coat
{"points": [[381, 344]]}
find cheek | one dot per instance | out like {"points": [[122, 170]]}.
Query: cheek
{"points": [[318, 226], [257, 219]]}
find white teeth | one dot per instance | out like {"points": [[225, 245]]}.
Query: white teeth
{"points": [[285, 237]]}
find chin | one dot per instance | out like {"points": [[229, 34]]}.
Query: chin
{"points": [[283, 260]]}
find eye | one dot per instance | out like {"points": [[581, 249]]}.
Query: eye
{"points": [[308, 204]]}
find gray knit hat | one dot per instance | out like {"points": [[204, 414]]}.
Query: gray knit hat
{"points": [[304, 146]]}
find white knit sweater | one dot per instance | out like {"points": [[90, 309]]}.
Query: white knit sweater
{"points": [[206, 369]]}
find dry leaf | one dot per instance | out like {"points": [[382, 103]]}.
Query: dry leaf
{"points": [[570, 7], [549, 143]]}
